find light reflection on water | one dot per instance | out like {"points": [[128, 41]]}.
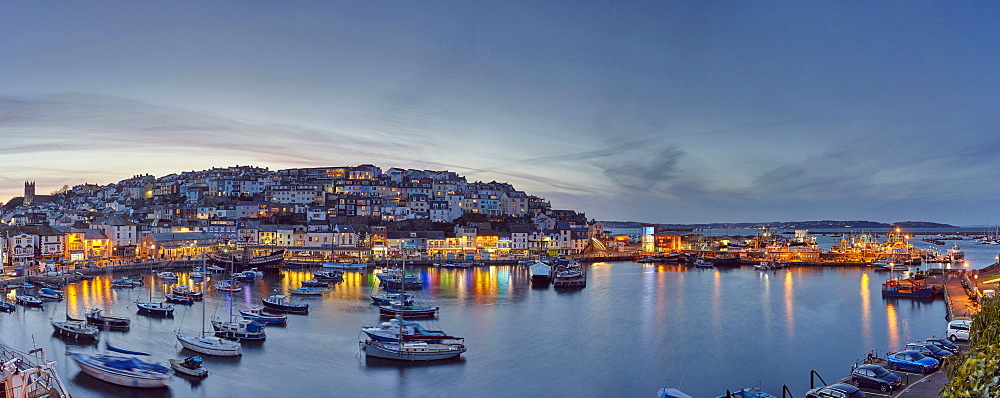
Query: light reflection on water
{"points": [[633, 327]]}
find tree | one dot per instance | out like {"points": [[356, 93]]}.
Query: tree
{"points": [[977, 373]]}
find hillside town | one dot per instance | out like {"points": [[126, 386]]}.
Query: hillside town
{"points": [[356, 213]]}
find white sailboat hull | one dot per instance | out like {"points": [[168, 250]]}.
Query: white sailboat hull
{"points": [[426, 352], [122, 379], [211, 346]]}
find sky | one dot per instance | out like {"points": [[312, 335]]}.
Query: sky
{"points": [[658, 111]]}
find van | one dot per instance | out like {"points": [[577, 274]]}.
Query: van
{"points": [[958, 330]]}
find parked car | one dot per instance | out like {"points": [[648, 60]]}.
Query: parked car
{"points": [[838, 390], [875, 376], [945, 343], [958, 330], [912, 360], [930, 350]]}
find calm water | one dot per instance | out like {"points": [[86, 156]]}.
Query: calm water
{"points": [[634, 327]]}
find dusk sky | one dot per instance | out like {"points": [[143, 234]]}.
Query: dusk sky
{"points": [[675, 112]]}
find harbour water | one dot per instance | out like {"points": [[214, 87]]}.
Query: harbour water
{"points": [[633, 328]]}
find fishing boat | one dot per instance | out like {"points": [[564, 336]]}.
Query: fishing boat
{"points": [[49, 293], [315, 283], [77, 330], [178, 299], [7, 307], [29, 301], [763, 266], [345, 266], [29, 375], [258, 314], [185, 290], [210, 345], [540, 273], [96, 318], [388, 298], [122, 370], [277, 303], [910, 288], [330, 275], [239, 329], [408, 348], [306, 291], [190, 366], [393, 328], [167, 275]]}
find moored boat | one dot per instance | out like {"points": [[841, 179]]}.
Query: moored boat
{"points": [[228, 286], [315, 283], [7, 307], [185, 290], [124, 371], [190, 366], [910, 288], [155, 308], [345, 266], [211, 345], [412, 350], [178, 299], [94, 317], [702, 263], [388, 298], [277, 303], [393, 328], [29, 301], [239, 329], [540, 273], [258, 314], [330, 275], [306, 291], [167, 275], [49, 293], [77, 330], [408, 311]]}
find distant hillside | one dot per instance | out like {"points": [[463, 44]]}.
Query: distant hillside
{"points": [[859, 224]]}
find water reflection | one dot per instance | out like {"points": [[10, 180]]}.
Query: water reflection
{"points": [[866, 309], [892, 324], [789, 304]]}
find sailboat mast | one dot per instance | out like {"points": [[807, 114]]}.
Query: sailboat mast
{"points": [[402, 299], [203, 307]]}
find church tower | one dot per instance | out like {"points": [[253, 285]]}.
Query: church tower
{"points": [[29, 192]]}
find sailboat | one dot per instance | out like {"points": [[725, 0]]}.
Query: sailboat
{"points": [[122, 370], [210, 345], [154, 308], [228, 285], [238, 329], [407, 347], [76, 329]]}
